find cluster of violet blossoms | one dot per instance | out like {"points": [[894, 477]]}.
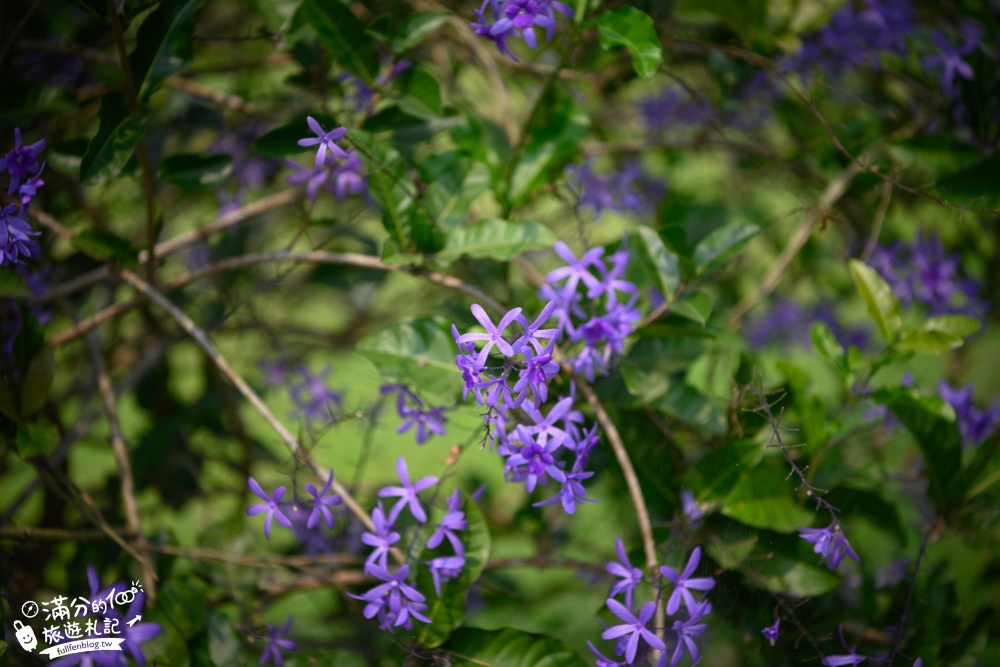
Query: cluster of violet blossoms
{"points": [[25, 174], [922, 272], [314, 400], [974, 424], [396, 602], [518, 17], [335, 170], [425, 421], [308, 513], [624, 190], [830, 543], [633, 635]]}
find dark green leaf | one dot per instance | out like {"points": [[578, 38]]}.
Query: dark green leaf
{"points": [[870, 505], [779, 563], [283, 140], [499, 240], [882, 303], [418, 352], [506, 647], [937, 438], [344, 35], [163, 44], [766, 499], [105, 245], [664, 264], [416, 28], [828, 345], [695, 306], [447, 610], [117, 135], [721, 244], [453, 184], [692, 407], [223, 644], [193, 170], [633, 29], [715, 475], [978, 184], [420, 93], [390, 188]]}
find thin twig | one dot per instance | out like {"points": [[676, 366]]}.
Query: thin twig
{"points": [[901, 634], [883, 207]]}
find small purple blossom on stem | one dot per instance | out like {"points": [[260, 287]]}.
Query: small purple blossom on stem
{"points": [[830, 542], [684, 583], [271, 505], [444, 569], [634, 627], [322, 503], [275, 641], [395, 602], [951, 59], [453, 520], [687, 630], [313, 398], [494, 333], [325, 141], [771, 632], [629, 577], [381, 540], [407, 493], [851, 658], [21, 161]]}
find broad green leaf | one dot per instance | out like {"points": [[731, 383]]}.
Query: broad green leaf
{"points": [[960, 326], [976, 184], [36, 438], [499, 240], [112, 147], [420, 93], [390, 188], [344, 35], [105, 245], [486, 142], [193, 170], [694, 306], [163, 44], [828, 345], [721, 244], [690, 406], [882, 303], [766, 499], [223, 645], [416, 28], [747, 18], [507, 647], [779, 563], [870, 505], [283, 140], [554, 131], [928, 342], [815, 427], [418, 352], [633, 29], [666, 268], [447, 610], [453, 184], [937, 438], [715, 475]]}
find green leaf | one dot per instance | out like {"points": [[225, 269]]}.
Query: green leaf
{"points": [[553, 133], [447, 610], [978, 184], [692, 407], [390, 188], [507, 647], [779, 563], [36, 439], [695, 306], [828, 345], [195, 171], [163, 45], [666, 268], [344, 35], [766, 499], [223, 644], [453, 184], [959, 326], [12, 285], [416, 28], [283, 140], [882, 303], [937, 438], [420, 93], [117, 135], [854, 503], [721, 244], [419, 352], [633, 29], [105, 245], [715, 475], [928, 342], [494, 239]]}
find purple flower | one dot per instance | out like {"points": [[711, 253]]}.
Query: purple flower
{"points": [[602, 660], [325, 141], [393, 601], [687, 630], [275, 641], [673, 109], [321, 503], [21, 161], [407, 493], [570, 493], [274, 371], [313, 398], [851, 658], [493, 335], [271, 505], [634, 627], [950, 60], [533, 462], [630, 577], [974, 424], [684, 584], [15, 236], [445, 568], [830, 542], [427, 422], [693, 511], [520, 16], [348, 177], [771, 632], [453, 520], [381, 540], [617, 191]]}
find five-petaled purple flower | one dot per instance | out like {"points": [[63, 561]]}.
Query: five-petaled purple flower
{"points": [[275, 641], [951, 59], [684, 584], [629, 577], [830, 542], [271, 505], [395, 601], [381, 540], [520, 17], [407, 493], [325, 141], [634, 627], [322, 503], [313, 398]]}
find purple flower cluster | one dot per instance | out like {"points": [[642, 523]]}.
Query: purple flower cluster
{"points": [[831, 543], [518, 18], [335, 170], [921, 271], [275, 508], [951, 61], [314, 400], [595, 306], [674, 109], [411, 410], [25, 173], [974, 424], [855, 37], [395, 602], [788, 322], [134, 635], [276, 642], [634, 633], [619, 191]]}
